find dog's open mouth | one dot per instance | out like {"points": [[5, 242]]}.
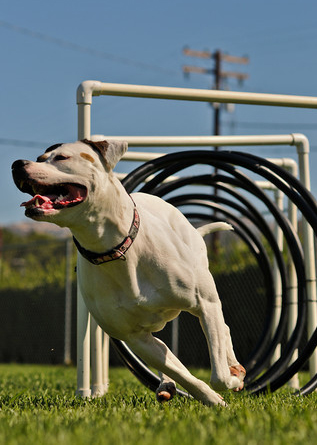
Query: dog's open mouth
{"points": [[52, 197]]}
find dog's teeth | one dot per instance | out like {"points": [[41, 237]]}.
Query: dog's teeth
{"points": [[37, 204], [59, 198]]}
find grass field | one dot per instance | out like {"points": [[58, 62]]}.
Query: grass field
{"points": [[38, 406]]}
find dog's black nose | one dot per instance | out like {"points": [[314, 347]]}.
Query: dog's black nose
{"points": [[19, 164]]}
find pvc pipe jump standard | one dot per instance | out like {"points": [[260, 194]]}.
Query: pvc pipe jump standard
{"points": [[88, 89]]}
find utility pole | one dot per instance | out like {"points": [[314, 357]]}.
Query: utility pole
{"points": [[219, 76]]}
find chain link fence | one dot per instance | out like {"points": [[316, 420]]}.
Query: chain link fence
{"points": [[38, 304]]}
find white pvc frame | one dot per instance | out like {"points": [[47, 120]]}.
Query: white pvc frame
{"points": [[88, 329]]}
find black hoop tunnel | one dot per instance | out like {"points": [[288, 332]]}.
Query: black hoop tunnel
{"points": [[153, 174]]}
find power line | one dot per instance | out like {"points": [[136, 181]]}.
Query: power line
{"points": [[84, 49], [25, 144]]}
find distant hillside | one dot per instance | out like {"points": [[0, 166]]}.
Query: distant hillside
{"points": [[27, 227]]}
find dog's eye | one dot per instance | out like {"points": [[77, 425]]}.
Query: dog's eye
{"points": [[41, 158], [60, 158]]}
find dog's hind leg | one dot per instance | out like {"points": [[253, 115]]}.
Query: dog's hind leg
{"points": [[166, 390], [227, 373], [155, 353]]}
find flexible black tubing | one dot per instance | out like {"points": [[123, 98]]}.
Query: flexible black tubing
{"points": [[187, 159], [173, 169], [300, 199]]}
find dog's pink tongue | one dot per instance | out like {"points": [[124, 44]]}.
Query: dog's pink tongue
{"points": [[39, 201]]}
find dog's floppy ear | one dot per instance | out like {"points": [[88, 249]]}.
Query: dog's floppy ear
{"points": [[111, 151]]}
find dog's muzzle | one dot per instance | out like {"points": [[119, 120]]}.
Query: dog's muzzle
{"points": [[45, 197]]}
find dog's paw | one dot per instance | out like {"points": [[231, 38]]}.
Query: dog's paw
{"points": [[221, 401], [165, 392], [239, 372]]}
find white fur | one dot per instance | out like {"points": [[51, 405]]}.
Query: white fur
{"points": [[166, 270]]}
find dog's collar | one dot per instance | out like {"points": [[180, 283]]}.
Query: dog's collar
{"points": [[117, 252]]}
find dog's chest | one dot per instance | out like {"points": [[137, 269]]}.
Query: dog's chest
{"points": [[123, 302]]}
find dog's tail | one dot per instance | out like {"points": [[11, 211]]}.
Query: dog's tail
{"points": [[213, 227]]}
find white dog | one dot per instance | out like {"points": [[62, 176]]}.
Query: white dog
{"points": [[165, 267]]}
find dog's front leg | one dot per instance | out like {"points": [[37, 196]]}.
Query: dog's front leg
{"points": [[155, 353]]}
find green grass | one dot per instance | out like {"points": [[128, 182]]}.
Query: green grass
{"points": [[38, 406]]}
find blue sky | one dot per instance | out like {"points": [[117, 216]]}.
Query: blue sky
{"points": [[48, 48]]}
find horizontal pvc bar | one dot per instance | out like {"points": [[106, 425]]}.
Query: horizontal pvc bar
{"points": [[196, 141], [91, 88]]}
